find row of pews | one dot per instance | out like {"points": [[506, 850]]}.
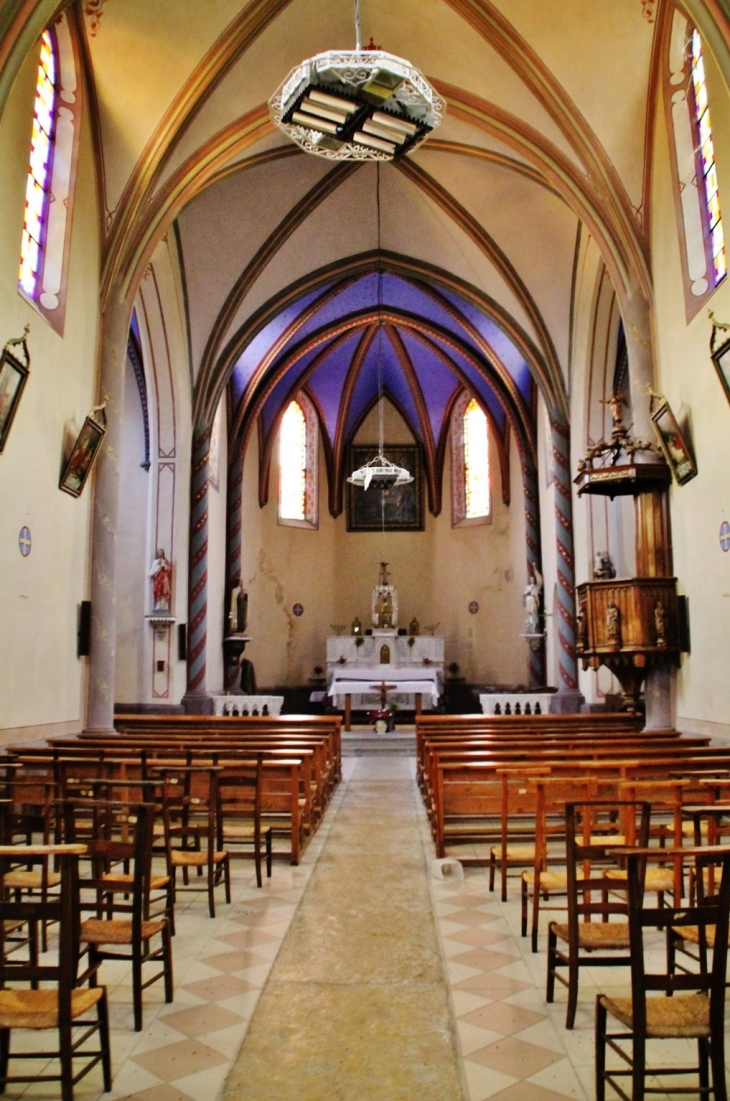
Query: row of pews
{"points": [[302, 760], [477, 774]]}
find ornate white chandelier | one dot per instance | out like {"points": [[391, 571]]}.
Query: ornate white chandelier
{"points": [[361, 104]]}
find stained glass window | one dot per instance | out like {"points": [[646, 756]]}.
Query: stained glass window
{"points": [[476, 461], [37, 193], [707, 160], [293, 464]]}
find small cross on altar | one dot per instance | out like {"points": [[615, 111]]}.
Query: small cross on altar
{"points": [[383, 688]]}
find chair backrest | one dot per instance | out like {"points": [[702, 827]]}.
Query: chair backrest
{"points": [[239, 791], [62, 908], [120, 832], [592, 829], [708, 910], [190, 799]]}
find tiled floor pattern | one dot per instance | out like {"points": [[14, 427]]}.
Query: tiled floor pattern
{"points": [[352, 1006]]}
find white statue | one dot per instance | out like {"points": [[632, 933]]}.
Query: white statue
{"points": [[531, 600], [384, 605]]}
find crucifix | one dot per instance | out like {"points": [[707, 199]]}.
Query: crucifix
{"points": [[383, 688]]}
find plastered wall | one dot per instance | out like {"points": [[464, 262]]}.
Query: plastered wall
{"points": [[687, 376], [42, 682]]}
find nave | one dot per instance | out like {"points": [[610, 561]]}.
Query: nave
{"points": [[355, 975]]}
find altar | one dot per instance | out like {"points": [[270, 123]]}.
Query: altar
{"points": [[412, 664]]}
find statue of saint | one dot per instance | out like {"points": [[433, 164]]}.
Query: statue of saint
{"points": [[161, 575], [604, 568], [531, 600], [613, 624], [238, 609], [385, 601]]}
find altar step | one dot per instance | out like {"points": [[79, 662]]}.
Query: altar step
{"points": [[360, 743]]}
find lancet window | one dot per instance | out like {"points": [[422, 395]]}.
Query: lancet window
{"points": [[51, 172], [698, 200], [470, 496], [298, 464]]}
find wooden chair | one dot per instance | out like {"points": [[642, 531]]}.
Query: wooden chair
{"points": [[665, 1005], [590, 938], [544, 882], [190, 801], [121, 928], [63, 1005], [708, 826], [239, 813]]}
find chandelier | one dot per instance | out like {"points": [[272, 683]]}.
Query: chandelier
{"points": [[361, 104]]}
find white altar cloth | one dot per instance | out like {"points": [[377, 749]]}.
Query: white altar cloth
{"points": [[407, 681]]}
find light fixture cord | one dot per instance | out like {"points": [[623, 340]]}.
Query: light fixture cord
{"points": [[381, 422], [358, 40]]}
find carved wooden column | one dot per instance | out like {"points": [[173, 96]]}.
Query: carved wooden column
{"points": [[653, 534]]}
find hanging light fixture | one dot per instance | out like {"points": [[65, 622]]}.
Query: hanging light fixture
{"points": [[361, 104], [380, 471]]}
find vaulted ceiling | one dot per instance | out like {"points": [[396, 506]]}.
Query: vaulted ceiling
{"points": [[546, 143]]}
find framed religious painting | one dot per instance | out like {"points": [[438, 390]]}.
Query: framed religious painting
{"points": [[13, 377], [398, 509], [81, 459], [721, 359], [673, 443]]}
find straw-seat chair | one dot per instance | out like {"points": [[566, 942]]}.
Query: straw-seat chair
{"points": [[120, 928], [239, 829], [63, 1006], [664, 1005], [589, 938], [190, 808]]}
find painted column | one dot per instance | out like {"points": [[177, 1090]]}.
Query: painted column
{"points": [[567, 666], [102, 663], [196, 700], [233, 545], [534, 558]]}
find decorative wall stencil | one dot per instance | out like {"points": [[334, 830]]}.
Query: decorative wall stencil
{"points": [[474, 607], [84, 452], [25, 542], [93, 10], [13, 377], [648, 10], [298, 609], [724, 535]]}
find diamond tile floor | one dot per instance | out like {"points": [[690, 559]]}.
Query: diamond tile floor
{"points": [[356, 975]]}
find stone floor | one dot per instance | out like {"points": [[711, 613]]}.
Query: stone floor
{"points": [[356, 975]]}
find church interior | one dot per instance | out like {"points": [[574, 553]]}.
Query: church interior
{"points": [[524, 307]]}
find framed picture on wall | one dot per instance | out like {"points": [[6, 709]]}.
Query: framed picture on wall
{"points": [[721, 359], [13, 377], [82, 456], [401, 508], [673, 443]]}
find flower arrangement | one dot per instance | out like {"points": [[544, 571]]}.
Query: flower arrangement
{"points": [[359, 640], [342, 660], [318, 670], [454, 668], [411, 641], [427, 661]]}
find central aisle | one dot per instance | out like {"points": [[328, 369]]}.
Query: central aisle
{"points": [[356, 1006]]}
